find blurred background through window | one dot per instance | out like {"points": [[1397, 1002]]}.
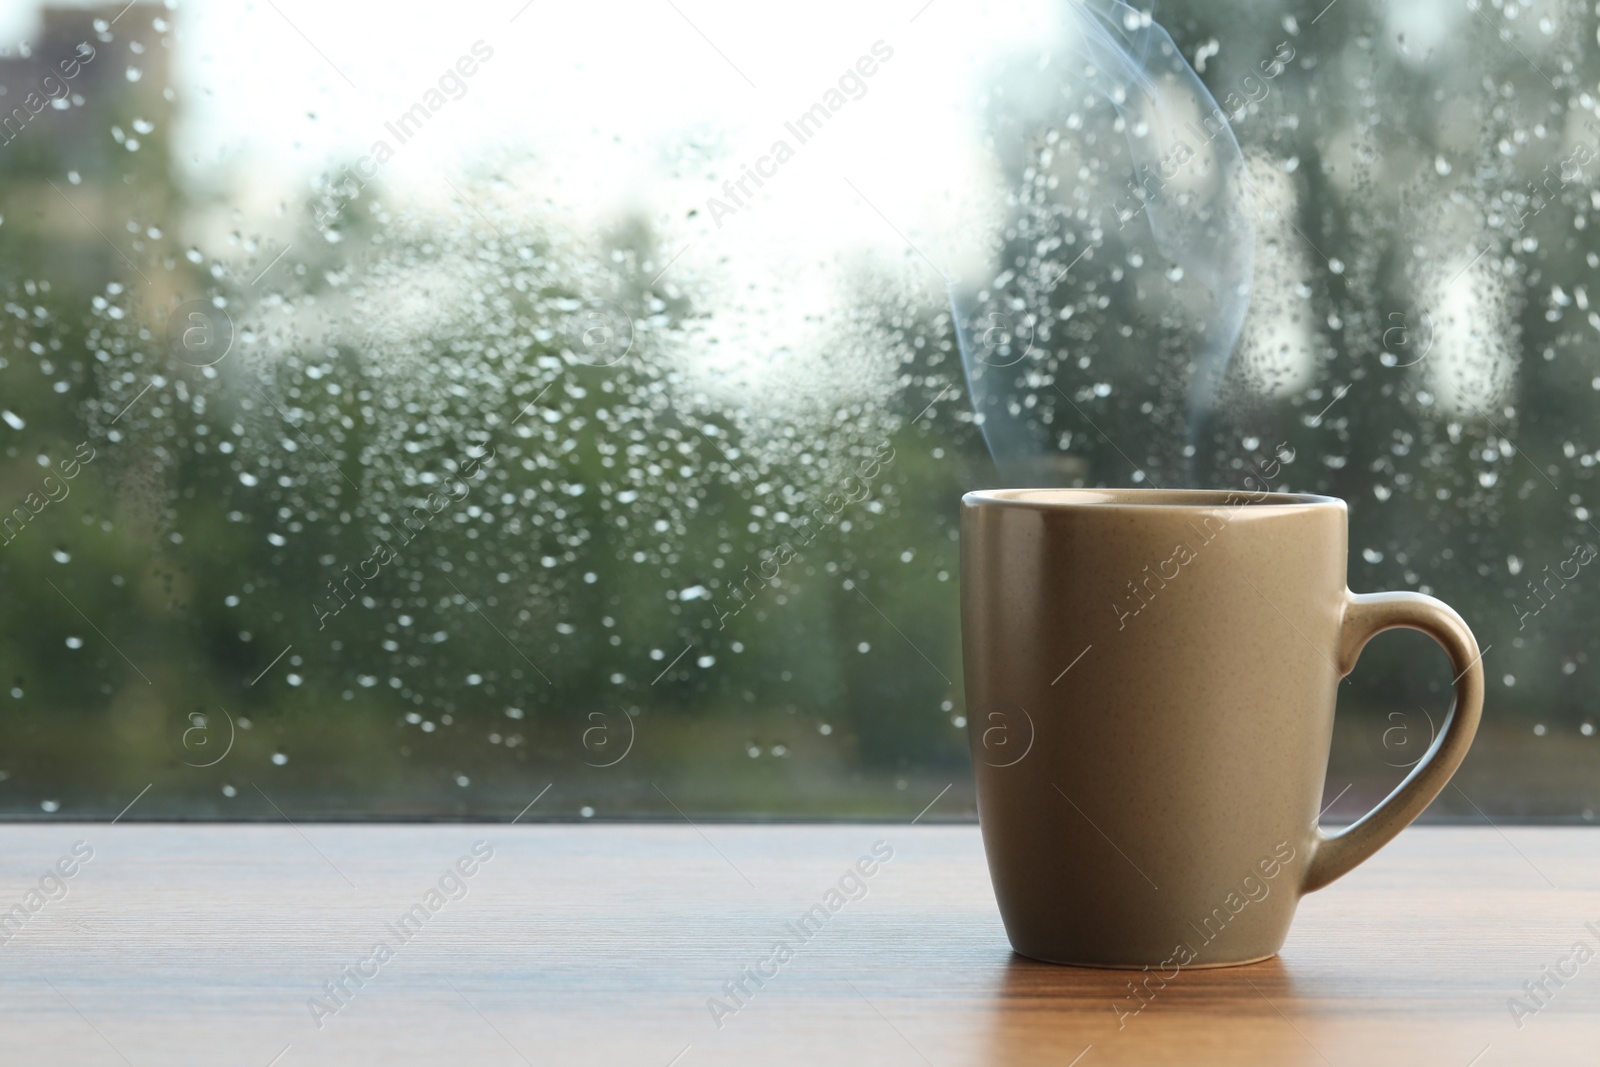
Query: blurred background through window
{"points": [[407, 410]]}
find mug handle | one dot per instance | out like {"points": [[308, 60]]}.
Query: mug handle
{"points": [[1367, 615]]}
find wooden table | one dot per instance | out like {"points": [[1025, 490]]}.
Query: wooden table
{"points": [[602, 944]]}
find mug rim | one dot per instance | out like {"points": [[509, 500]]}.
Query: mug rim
{"points": [[1082, 499]]}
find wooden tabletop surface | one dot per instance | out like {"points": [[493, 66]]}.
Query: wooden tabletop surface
{"points": [[616, 944]]}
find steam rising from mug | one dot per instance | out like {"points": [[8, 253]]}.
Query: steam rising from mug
{"points": [[1045, 292]]}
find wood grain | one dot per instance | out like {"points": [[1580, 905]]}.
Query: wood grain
{"points": [[602, 944]]}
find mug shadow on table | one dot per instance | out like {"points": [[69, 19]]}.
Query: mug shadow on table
{"points": [[1046, 1013]]}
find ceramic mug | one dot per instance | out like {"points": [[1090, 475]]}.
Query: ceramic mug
{"points": [[1150, 681]]}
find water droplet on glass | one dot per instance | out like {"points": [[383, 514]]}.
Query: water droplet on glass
{"points": [[280, 758]]}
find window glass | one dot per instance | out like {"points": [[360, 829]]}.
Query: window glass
{"points": [[403, 414]]}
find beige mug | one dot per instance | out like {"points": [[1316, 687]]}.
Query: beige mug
{"points": [[1150, 681]]}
